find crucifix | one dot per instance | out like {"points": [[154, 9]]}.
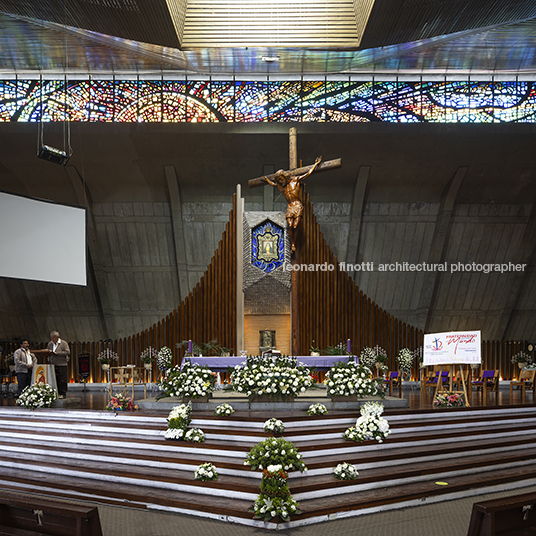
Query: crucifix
{"points": [[290, 184]]}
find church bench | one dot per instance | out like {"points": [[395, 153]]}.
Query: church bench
{"points": [[32, 516], [511, 516], [12, 531]]}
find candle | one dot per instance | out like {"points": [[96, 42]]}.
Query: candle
{"points": [[348, 347], [190, 347]]}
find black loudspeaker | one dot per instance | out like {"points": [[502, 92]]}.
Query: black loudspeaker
{"points": [[53, 155]]}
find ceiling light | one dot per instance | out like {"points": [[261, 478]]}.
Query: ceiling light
{"points": [[270, 59]]}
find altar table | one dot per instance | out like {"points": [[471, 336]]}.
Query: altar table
{"points": [[220, 364]]}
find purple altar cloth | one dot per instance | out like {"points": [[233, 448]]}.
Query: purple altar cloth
{"points": [[219, 364]]}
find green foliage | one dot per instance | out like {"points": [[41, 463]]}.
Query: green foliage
{"points": [[275, 451]]}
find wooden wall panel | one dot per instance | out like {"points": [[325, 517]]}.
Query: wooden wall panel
{"points": [[333, 309]]}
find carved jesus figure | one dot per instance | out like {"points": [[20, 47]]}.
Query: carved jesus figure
{"points": [[289, 185]]}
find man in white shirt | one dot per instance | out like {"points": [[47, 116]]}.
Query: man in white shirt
{"points": [[24, 363], [59, 357]]}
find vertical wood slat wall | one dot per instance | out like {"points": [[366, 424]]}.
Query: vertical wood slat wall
{"points": [[332, 309], [208, 312]]}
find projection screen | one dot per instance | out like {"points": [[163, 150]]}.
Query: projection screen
{"points": [[42, 241]]}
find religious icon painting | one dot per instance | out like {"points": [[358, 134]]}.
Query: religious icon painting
{"points": [[267, 246]]}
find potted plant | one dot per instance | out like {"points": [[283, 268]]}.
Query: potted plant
{"points": [[381, 359], [147, 357], [315, 351], [9, 360], [522, 359], [106, 357]]}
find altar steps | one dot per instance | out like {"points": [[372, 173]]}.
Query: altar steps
{"points": [[124, 459]]}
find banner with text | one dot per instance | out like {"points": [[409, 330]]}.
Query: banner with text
{"points": [[452, 348]]}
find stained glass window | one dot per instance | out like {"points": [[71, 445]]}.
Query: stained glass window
{"points": [[265, 100]]}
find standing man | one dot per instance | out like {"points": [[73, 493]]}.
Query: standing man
{"points": [[24, 363], [59, 358]]}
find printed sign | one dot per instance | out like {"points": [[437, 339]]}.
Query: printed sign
{"points": [[452, 348]]}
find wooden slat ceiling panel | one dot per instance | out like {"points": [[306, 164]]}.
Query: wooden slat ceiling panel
{"points": [[403, 21], [215, 23], [148, 22]]}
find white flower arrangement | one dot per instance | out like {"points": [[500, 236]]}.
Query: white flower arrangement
{"points": [[278, 377], [275, 498], [405, 359], [164, 359], [192, 381], [175, 433], [38, 395], [206, 472], [274, 451], [345, 379], [224, 410], [195, 435], [369, 426], [367, 357], [179, 416], [345, 471], [274, 425], [317, 409]]}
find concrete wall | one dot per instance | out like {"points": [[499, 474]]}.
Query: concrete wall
{"points": [[159, 197]]}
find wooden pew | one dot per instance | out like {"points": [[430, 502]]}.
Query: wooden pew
{"points": [[33, 516], [511, 516]]}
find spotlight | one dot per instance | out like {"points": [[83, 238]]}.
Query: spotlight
{"points": [[53, 155]]}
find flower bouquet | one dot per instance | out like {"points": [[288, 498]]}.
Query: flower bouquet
{"points": [[371, 425], [449, 400], [275, 498], [274, 425], [275, 451], [279, 377], [206, 472], [405, 359], [368, 357], [163, 359], [179, 416], [317, 409], [345, 471], [38, 395], [194, 435], [120, 402], [192, 381], [345, 379], [224, 410]]}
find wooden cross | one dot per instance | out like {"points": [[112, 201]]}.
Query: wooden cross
{"points": [[281, 179], [290, 183]]}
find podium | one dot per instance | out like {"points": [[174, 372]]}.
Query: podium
{"points": [[44, 374]]}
